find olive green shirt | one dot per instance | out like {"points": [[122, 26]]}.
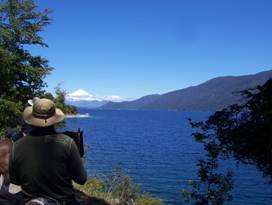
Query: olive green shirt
{"points": [[47, 164]]}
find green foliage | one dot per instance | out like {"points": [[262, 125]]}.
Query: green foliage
{"points": [[94, 187], [239, 131], [146, 199], [21, 74], [118, 189], [21, 23], [121, 186], [46, 95], [213, 188], [59, 100], [9, 115]]}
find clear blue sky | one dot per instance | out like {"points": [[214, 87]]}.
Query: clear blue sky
{"points": [[136, 47]]}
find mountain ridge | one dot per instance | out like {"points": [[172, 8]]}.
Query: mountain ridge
{"points": [[213, 94], [133, 105]]}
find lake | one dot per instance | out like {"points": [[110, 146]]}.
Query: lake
{"points": [[157, 150]]}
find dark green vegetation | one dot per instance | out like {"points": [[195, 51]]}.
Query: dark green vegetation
{"points": [[21, 73], [242, 132], [118, 189], [212, 95]]}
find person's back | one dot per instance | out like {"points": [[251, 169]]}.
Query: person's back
{"points": [[45, 163]]}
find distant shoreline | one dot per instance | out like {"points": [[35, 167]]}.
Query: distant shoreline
{"points": [[87, 115]]}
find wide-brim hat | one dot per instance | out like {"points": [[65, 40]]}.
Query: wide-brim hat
{"points": [[43, 113]]}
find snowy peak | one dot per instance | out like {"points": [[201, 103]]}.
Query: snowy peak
{"points": [[79, 93], [82, 95]]}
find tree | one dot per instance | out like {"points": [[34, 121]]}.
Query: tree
{"points": [[20, 26], [239, 131], [59, 100], [21, 73]]}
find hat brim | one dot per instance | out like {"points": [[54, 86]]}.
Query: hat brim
{"points": [[31, 120]]}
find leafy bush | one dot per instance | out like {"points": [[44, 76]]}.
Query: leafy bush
{"points": [[10, 115], [146, 199], [118, 189]]}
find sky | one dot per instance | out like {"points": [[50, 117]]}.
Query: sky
{"points": [[132, 48]]}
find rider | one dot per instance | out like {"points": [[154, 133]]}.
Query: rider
{"points": [[44, 162]]}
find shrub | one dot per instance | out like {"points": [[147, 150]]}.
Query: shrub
{"points": [[146, 199], [118, 189]]}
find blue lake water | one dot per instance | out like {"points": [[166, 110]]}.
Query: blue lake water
{"points": [[158, 152]]}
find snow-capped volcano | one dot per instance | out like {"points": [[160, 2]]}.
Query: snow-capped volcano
{"points": [[80, 92], [81, 98], [80, 95]]}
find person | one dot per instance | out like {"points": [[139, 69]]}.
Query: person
{"points": [[45, 162]]}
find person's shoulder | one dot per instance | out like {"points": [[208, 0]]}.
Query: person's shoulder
{"points": [[21, 140], [62, 138]]}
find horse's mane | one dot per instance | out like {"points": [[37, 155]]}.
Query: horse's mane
{"points": [[5, 149], [5, 143]]}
